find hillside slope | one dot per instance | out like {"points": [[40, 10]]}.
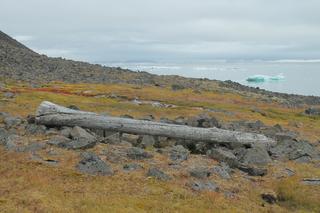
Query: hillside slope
{"points": [[21, 63]]}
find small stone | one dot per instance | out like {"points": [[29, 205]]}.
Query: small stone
{"points": [[204, 186], [179, 153], [289, 172], [311, 181], [91, 164], [39, 159], [269, 198], [34, 147], [313, 111], [133, 139], [200, 172], [12, 122], [112, 138], [148, 141], [158, 174], [9, 95], [80, 143], [136, 153], [31, 119], [15, 143], [59, 141], [3, 136], [221, 171], [35, 129], [132, 167], [253, 171], [66, 131]]}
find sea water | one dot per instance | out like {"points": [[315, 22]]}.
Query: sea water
{"points": [[287, 76]]}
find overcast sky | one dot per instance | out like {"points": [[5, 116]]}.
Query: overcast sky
{"points": [[165, 30]]}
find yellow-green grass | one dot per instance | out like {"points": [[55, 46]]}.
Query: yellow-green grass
{"points": [[94, 97], [27, 186]]}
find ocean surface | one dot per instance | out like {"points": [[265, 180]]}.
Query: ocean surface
{"points": [[287, 76]]}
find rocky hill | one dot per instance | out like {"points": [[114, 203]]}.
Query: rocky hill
{"points": [[21, 63]]}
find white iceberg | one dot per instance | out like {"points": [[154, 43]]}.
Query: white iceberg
{"points": [[264, 78]]}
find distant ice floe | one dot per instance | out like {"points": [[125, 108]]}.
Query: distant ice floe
{"points": [[264, 78]]}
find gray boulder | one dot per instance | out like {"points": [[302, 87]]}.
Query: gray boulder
{"points": [[254, 156], [179, 153], [136, 153], [80, 133], [223, 155], [200, 185], [81, 139], [158, 174], [299, 151], [91, 164]]}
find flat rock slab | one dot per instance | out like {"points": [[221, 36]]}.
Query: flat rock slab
{"points": [[201, 185], [132, 167], [136, 153]]}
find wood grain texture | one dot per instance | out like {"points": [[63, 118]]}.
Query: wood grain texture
{"points": [[51, 114]]}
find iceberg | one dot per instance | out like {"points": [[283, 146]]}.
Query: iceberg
{"points": [[264, 78]]}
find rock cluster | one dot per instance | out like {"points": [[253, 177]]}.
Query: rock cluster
{"points": [[137, 151]]}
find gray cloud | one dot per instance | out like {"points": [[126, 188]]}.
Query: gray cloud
{"points": [[103, 30]]}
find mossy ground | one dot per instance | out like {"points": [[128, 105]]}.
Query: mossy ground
{"points": [[27, 186]]}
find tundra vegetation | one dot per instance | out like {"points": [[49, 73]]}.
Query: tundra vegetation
{"points": [[50, 179]]}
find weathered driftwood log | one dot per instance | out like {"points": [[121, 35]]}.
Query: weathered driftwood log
{"points": [[54, 115]]}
